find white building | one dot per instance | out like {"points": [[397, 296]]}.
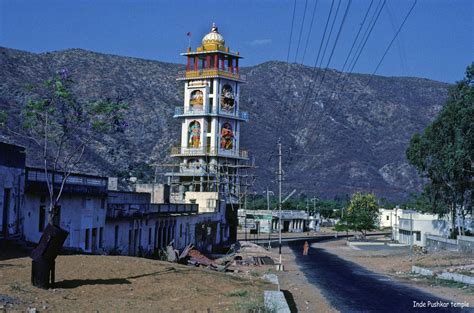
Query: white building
{"points": [[134, 226], [82, 208], [386, 218], [411, 227]]}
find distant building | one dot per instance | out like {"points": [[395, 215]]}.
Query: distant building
{"points": [[386, 218], [413, 227], [264, 220]]}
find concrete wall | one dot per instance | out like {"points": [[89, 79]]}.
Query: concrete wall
{"points": [[207, 201], [436, 243], [466, 244], [157, 191], [11, 199]]}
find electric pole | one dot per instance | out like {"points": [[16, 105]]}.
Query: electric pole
{"points": [[270, 226], [314, 199], [307, 217], [280, 174]]}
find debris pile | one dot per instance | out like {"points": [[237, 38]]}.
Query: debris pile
{"points": [[240, 254], [191, 256]]}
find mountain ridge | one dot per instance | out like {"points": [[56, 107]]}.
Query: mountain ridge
{"points": [[333, 143]]}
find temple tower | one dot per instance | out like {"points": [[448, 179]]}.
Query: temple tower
{"points": [[210, 154]]}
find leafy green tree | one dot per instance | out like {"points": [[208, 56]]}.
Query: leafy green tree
{"points": [[63, 127], [361, 215], [443, 153]]}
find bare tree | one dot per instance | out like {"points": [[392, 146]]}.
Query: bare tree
{"points": [[63, 127]]}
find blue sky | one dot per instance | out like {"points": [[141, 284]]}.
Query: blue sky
{"points": [[437, 41]]}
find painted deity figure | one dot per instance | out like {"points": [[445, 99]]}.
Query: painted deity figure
{"points": [[197, 100], [194, 135], [227, 100], [227, 137]]}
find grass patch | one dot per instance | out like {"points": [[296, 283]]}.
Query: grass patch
{"points": [[238, 293], [253, 306], [450, 284]]}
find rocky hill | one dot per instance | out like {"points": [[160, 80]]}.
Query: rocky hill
{"points": [[334, 143]]}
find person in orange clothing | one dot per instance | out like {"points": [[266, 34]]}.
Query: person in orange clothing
{"points": [[305, 248]]}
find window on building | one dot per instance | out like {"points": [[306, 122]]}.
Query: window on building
{"points": [[94, 239], [149, 235], [192, 201], [211, 203], [418, 236], [116, 233], [42, 217], [87, 243], [101, 237], [388, 217]]}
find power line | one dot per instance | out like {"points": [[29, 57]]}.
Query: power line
{"points": [[313, 78], [310, 30], [354, 42], [388, 48], [291, 33], [360, 47], [335, 43], [285, 95], [301, 29], [365, 38]]}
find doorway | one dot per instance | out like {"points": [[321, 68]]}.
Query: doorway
{"points": [[6, 207]]}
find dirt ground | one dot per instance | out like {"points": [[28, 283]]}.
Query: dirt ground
{"points": [[119, 283], [397, 264]]}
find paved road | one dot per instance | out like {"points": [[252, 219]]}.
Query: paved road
{"points": [[351, 288]]}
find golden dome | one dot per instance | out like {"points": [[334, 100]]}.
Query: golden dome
{"points": [[213, 37]]}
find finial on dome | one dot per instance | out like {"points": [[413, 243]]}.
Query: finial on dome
{"points": [[214, 28]]}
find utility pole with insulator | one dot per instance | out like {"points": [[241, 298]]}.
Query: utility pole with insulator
{"points": [[280, 174]]}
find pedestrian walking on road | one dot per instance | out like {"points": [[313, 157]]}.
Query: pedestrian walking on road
{"points": [[305, 248]]}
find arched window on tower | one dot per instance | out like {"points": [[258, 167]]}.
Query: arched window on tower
{"points": [[194, 135]]}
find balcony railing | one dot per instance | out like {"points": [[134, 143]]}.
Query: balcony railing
{"points": [[37, 175], [115, 211], [37, 181], [209, 73], [180, 111], [210, 151], [173, 208]]}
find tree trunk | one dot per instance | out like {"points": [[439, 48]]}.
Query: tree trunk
{"points": [[458, 220]]}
